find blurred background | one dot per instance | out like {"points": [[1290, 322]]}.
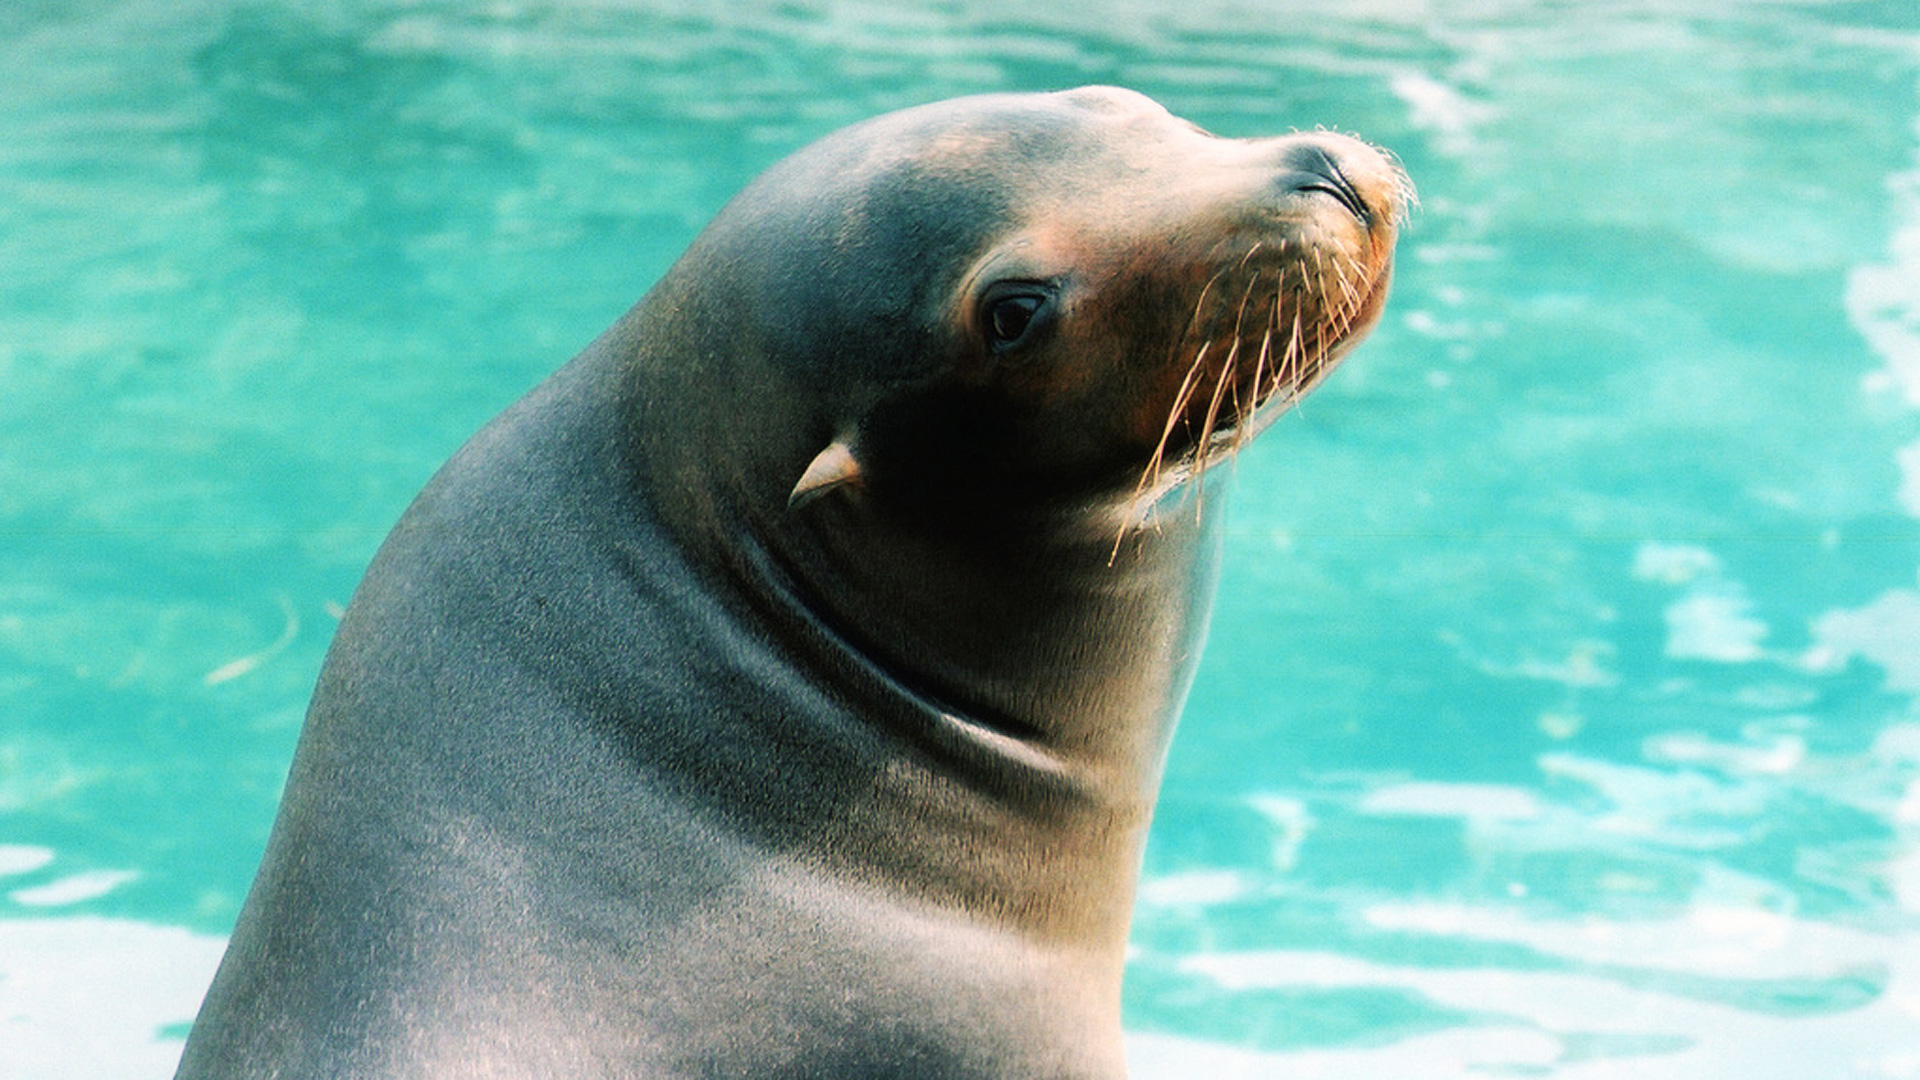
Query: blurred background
{"points": [[1561, 716]]}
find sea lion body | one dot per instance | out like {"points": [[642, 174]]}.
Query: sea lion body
{"points": [[781, 688]]}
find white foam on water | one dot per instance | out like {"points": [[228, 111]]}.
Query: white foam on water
{"points": [[1883, 298], [1601, 984], [1883, 303], [1474, 802], [1715, 623], [88, 998], [1713, 618], [1447, 1055], [1195, 888], [73, 889], [1442, 110], [1291, 822], [23, 858], [1884, 631], [1770, 756], [1673, 564], [1679, 810], [1715, 938]]}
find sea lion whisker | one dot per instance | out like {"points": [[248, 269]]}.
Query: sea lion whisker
{"points": [[1346, 287], [1203, 446], [1227, 366], [1200, 305], [1280, 310], [1228, 369], [1259, 395], [1352, 275], [1319, 354], [1289, 367], [1296, 355], [1151, 475], [1258, 382]]}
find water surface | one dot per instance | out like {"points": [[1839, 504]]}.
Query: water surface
{"points": [[1561, 716]]}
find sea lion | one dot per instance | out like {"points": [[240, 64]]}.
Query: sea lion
{"points": [[781, 689]]}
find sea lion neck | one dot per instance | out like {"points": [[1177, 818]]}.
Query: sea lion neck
{"points": [[1015, 682], [1058, 633]]}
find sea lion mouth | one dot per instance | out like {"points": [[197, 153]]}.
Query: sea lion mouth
{"points": [[1264, 332], [1278, 312]]}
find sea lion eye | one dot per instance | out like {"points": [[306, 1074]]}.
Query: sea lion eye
{"points": [[1012, 313]]}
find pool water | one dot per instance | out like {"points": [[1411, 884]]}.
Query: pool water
{"points": [[1561, 714]]}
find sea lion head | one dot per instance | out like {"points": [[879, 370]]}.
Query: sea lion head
{"points": [[928, 379], [1003, 303]]}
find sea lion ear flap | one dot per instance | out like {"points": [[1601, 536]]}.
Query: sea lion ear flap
{"points": [[832, 468]]}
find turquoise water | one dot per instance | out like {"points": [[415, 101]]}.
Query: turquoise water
{"points": [[1561, 716]]}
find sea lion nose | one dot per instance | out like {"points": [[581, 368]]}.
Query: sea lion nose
{"points": [[1312, 167]]}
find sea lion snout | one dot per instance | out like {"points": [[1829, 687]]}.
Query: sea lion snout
{"points": [[1354, 174], [1312, 168]]}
